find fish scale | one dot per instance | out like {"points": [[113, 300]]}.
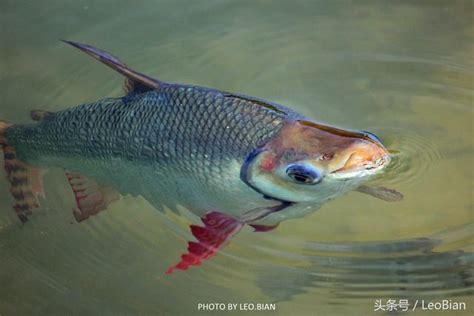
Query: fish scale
{"points": [[189, 128]]}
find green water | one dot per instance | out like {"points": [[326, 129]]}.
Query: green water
{"points": [[401, 69]]}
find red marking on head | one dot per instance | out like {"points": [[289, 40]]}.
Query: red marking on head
{"points": [[268, 163]]}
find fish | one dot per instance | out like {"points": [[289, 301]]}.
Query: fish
{"points": [[230, 159]]}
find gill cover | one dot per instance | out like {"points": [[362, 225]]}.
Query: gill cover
{"points": [[261, 172], [279, 169]]}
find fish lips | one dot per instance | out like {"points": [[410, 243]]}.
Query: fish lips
{"points": [[363, 171]]}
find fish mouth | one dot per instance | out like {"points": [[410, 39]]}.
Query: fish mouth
{"points": [[360, 168]]}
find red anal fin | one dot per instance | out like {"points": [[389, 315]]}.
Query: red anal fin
{"points": [[25, 183], [263, 228], [218, 229], [90, 197]]}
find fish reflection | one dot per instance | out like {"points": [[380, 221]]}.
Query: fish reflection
{"points": [[399, 269]]}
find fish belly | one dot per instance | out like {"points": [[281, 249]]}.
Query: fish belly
{"points": [[166, 189]]}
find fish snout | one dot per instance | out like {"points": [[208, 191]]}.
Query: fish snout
{"points": [[364, 157]]}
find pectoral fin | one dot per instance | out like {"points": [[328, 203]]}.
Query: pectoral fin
{"points": [[217, 231], [90, 197], [382, 193]]}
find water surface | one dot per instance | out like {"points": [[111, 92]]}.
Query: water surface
{"points": [[403, 70]]}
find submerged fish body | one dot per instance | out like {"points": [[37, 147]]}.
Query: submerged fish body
{"points": [[229, 158], [190, 139]]}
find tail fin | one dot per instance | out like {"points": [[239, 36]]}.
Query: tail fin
{"points": [[3, 126], [25, 181]]}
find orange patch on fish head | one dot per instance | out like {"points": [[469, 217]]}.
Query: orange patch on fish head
{"points": [[327, 148]]}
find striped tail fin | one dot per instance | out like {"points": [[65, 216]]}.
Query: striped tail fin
{"points": [[25, 181]]}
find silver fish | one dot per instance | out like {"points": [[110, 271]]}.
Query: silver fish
{"points": [[229, 158]]}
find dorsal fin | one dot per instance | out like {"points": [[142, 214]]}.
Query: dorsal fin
{"points": [[135, 80], [132, 86]]}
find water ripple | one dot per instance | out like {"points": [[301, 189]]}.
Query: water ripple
{"points": [[412, 156]]}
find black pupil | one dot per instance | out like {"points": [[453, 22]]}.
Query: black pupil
{"points": [[300, 176]]}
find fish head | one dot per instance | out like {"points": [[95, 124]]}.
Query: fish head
{"points": [[308, 161]]}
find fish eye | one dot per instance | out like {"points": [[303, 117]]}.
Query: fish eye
{"points": [[303, 174], [372, 136]]}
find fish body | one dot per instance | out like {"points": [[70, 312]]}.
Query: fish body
{"points": [[229, 158], [186, 141]]}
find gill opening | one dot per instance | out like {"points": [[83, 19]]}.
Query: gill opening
{"points": [[245, 173]]}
